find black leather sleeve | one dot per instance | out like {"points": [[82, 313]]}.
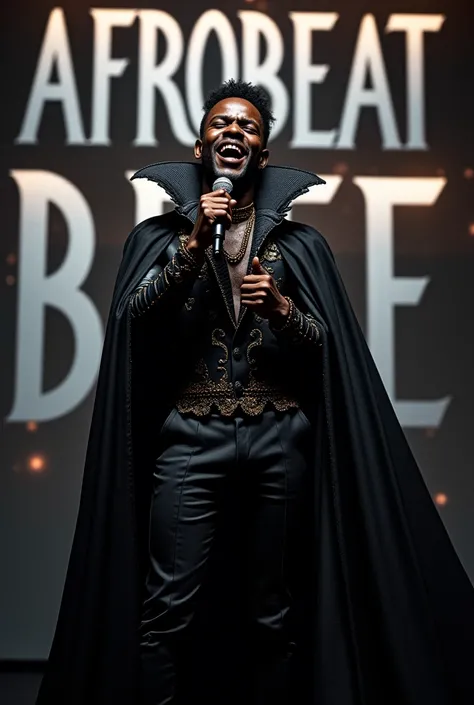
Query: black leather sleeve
{"points": [[299, 328], [160, 282]]}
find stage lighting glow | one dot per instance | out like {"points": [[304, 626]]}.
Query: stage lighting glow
{"points": [[468, 173], [32, 426], [471, 229], [36, 463], [441, 499], [261, 5], [341, 168]]}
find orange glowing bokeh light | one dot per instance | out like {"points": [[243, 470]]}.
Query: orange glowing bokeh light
{"points": [[32, 426], [471, 229], [341, 168], [441, 499], [36, 463]]}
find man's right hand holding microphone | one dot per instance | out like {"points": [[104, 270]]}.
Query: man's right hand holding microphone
{"points": [[212, 206]]}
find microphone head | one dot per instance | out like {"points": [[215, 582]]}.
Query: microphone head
{"points": [[223, 182]]}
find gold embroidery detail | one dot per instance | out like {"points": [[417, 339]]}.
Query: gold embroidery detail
{"points": [[183, 237], [203, 274], [271, 252], [200, 397], [257, 336], [216, 334], [258, 394]]}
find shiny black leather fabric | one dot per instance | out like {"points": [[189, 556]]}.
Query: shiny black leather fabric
{"points": [[252, 469]]}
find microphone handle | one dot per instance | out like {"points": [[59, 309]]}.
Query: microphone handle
{"points": [[219, 235]]}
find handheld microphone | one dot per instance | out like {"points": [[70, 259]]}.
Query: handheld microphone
{"points": [[219, 228]]}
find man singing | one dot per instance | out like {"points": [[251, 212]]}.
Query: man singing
{"points": [[241, 386], [240, 343]]}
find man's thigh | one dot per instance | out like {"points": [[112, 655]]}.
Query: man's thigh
{"points": [[278, 467]]}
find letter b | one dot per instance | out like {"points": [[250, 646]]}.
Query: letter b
{"points": [[61, 289]]}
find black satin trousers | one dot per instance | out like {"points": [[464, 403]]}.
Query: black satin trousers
{"points": [[205, 465]]}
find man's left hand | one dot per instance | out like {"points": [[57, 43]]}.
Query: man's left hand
{"points": [[259, 292]]}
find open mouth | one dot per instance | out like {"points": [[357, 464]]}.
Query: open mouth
{"points": [[231, 153]]}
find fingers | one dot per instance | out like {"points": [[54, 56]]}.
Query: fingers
{"points": [[254, 292], [220, 195], [220, 203], [213, 213], [263, 287], [257, 267], [217, 205], [256, 278], [252, 303], [256, 288], [252, 298], [222, 192], [216, 199]]}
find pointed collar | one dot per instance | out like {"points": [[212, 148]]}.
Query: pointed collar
{"points": [[278, 186]]}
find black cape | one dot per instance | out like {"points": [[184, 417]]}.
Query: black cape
{"points": [[391, 608]]}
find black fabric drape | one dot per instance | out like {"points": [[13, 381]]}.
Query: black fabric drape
{"points": [[395, 608], [392, 612]]}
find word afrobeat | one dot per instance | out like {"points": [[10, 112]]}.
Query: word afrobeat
{"points": [[367, 83]]}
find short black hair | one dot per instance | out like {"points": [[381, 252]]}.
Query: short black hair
{"points": [[247, 91]]}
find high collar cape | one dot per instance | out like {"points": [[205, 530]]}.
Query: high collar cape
{"points": [[390, 609], [277, 186]]}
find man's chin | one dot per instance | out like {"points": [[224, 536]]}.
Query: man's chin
{"points": [[233, 173]]}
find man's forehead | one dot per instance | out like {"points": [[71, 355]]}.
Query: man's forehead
{"points": [[237, 108]]}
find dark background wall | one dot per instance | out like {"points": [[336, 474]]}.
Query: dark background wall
{"points": [[398, 212]]}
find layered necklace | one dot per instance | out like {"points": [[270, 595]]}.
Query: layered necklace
{"points": [[238, 216]]}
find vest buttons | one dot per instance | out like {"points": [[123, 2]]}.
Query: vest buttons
{"points": [[237, 354], [238, 389]]}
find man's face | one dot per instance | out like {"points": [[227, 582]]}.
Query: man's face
{"points": [[232, 142]]}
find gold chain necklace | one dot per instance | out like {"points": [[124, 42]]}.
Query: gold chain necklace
{"points": [[241, 214], [238, 257]]}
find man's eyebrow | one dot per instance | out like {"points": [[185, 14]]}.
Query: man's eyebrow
{"points": [[231, 117]]}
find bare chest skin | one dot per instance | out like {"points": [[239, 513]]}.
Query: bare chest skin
{"points": [[233, 240]]}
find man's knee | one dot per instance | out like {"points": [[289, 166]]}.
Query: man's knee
{"points": [[171, 619]]}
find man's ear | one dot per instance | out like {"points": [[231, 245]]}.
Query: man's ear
{"points": [[263, 158], [198, 149]]}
